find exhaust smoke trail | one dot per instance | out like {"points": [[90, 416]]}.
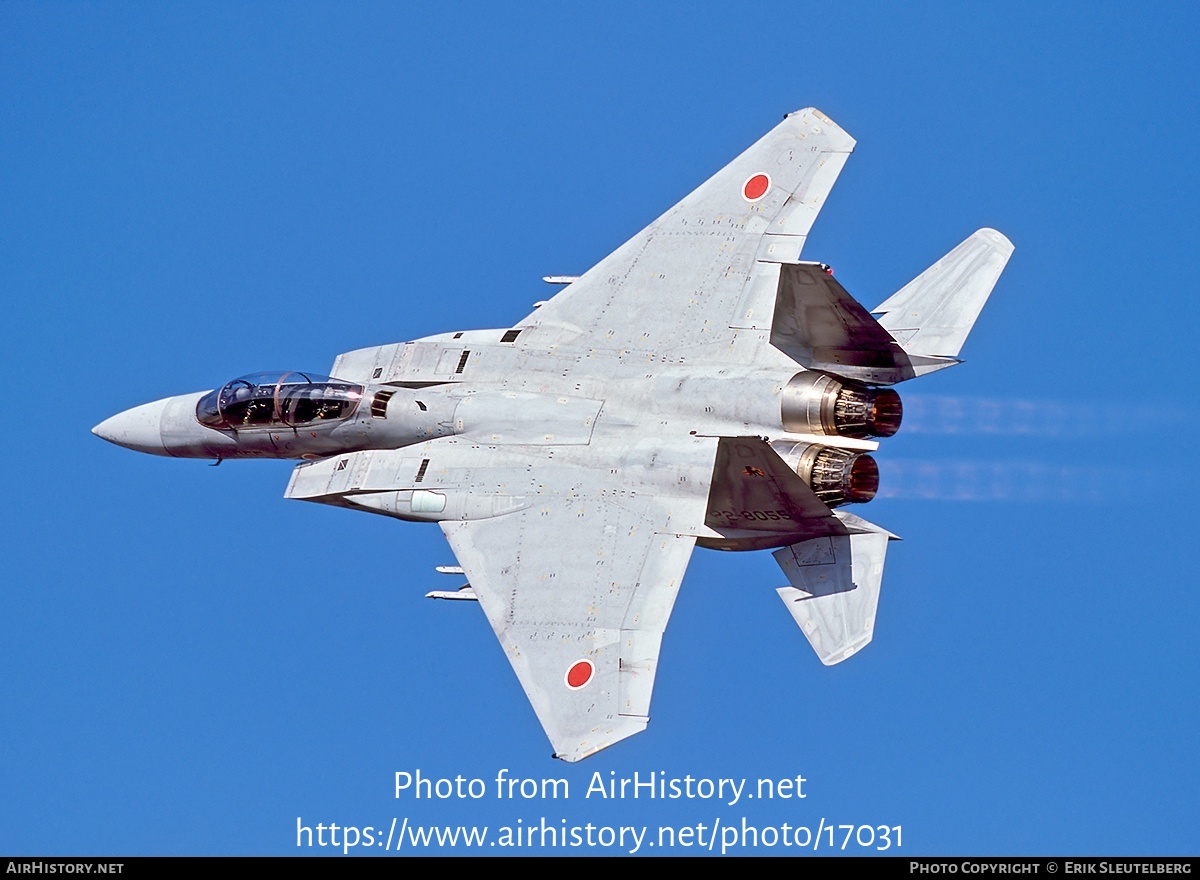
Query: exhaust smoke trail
{"points": [[942, 480], [1021, 479], [925, 414]]}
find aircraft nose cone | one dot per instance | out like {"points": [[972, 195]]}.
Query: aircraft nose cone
{"points": [[138, 428]]}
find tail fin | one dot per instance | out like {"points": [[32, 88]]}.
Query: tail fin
{"points": [[834, 588], [931, 315]]}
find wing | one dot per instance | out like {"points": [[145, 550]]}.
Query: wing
{"points": [[710, 265], [578, 591]]}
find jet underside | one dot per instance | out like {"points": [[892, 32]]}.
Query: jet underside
{"points": [[701, 386]]}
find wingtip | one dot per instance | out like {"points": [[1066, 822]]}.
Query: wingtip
{"points": [[840, 139], [1001, 241], [813, 110]]}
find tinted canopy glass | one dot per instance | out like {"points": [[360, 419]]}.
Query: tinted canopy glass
{"points": [[275, 399]]}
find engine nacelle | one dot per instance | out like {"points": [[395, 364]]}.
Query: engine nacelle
{"points": [[837, 476], [814, 403]]}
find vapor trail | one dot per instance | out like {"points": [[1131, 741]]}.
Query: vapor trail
{"points": [[998, 481], [926, 414]]}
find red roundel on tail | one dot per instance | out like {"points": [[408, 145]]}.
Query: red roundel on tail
{"points": [[580, 673], [756, 187]]}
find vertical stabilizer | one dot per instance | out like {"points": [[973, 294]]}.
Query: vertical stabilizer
{"points": [[931, 315], [834, 590]]}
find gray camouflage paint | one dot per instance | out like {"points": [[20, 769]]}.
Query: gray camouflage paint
{"points": [[575, 460]]}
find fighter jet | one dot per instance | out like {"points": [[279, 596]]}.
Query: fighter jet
{"points": [[701, 386]]}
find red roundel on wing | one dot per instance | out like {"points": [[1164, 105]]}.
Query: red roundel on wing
{"points": [[756, 187], [580, 674]]}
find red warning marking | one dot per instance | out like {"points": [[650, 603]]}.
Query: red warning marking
{"points": [[756, 187], [580, 673]]}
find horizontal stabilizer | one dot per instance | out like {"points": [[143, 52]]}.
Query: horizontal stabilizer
{"points": [[820, 326], [931, 315], [834, 588], [754, 489]]}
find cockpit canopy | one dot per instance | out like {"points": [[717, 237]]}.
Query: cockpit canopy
{"points": [[262, 400]]}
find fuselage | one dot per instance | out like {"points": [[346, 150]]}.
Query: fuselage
{"points": [[281, 415], [302, 415], [467, 401]]}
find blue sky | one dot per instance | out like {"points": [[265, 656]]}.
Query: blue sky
{"points": [[190, 192]]}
